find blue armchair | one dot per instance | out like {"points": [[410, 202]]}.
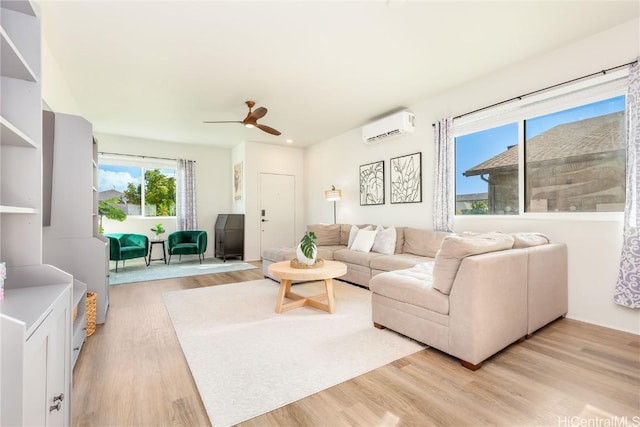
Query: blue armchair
{"points": [[191, 242], [123, 246]]}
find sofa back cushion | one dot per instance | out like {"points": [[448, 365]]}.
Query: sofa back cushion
{"points": [[455, 248], [399, 239], [326, 234], [527, 240], [422, 242]]}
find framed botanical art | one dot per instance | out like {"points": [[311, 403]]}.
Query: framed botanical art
{"points": [[406, 178], [237, 182], [372, 184]]}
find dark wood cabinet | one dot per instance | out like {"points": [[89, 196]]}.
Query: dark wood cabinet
{"points": [[229, 235]]}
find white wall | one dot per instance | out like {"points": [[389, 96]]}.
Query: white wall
{"points": [[594, 246], [213, 182], [55, 90]]}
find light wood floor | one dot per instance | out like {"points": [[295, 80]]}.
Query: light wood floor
{"points": [[132, 372]]}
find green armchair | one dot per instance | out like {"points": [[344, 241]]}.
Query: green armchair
{"points": [[191, 242], [123, 246]]}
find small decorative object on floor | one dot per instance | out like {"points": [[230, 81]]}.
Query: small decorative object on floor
{"points": [[306, 251], [3, 275], [91, 312], [158, 229]]}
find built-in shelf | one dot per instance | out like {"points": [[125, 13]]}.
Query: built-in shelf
{"points": [[17, 210], [11, 135], [13, 63]]}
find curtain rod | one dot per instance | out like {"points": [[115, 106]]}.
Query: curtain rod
{"points": [[139, 156], [517, 98]]}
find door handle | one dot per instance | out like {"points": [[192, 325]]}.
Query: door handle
{"points": [[264, 220]]}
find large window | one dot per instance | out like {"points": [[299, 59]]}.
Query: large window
{"points": [[544, 159], [143, 190]]}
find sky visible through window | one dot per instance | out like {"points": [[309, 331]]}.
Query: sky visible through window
{"points": [[113, 177], [478, 147]]}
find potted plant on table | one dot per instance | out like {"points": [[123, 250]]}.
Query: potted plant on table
{"points": [[307, 251], [158, 229]]}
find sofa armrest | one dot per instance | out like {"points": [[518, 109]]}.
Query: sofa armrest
{"points": [[114, 248], [139, 240], [202, 242], [488, 305]]}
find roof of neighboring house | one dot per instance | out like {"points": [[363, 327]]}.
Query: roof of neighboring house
{"points": [[585, 137], [109, 194], [472, 197]]}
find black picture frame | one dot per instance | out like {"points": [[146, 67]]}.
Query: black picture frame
{"points": [[406, 178], [372, 184]]}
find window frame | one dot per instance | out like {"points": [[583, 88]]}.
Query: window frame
{"points": [[143, 163], [599, 88]]}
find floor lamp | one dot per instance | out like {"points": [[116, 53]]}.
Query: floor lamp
{"points": [[333, 195]]}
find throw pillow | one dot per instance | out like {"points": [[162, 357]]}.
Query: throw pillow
{"points": [[354, 232], [385, 241], [326, 234], [455, 248], [364, 240]]}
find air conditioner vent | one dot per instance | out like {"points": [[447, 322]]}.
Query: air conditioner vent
{"points": [[390, 126]]}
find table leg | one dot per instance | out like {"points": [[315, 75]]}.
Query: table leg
{"points": [[285, 287], [328, 283]]}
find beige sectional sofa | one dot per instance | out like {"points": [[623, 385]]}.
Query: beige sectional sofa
{"points": [[412, 246], [467, 295]]}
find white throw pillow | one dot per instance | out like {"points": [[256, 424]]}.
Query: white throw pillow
{"points": [[354, 232], [364, 240], [385, 242]]}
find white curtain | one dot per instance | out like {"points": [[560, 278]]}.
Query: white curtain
{"points": [[443, 191], [186, 212], [627, 290]]}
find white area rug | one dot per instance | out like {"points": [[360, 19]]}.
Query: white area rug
{"points": [[247, 360]]}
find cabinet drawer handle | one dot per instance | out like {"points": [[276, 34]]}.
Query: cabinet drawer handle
{"points": [[55, 407], [60, 397], [74, 349]]}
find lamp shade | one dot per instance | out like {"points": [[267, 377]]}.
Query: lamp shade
{"points": [[333, 195]]}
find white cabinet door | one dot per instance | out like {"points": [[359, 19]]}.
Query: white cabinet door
{"points": [[58, 366], [46, 391], [35, 376]]}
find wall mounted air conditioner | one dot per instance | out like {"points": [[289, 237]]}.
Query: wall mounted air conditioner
{"points": [[386, 127]]}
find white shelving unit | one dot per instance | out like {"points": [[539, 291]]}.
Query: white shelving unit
{"points": [[35, 314], [71, 241], [79, 327]]}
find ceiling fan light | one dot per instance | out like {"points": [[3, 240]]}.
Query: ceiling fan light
{"points": [[249, 125]]}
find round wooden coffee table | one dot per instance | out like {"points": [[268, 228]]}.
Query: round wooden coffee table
{"points": [[283, 271]]}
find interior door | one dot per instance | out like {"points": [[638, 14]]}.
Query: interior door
{"points": [[277, 210]]}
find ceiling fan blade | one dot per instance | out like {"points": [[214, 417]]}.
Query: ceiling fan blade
{"points": [[258, 113], [268, 129], [229, 121]]}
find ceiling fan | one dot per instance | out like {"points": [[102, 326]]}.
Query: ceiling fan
{"points": [[252, 119]]}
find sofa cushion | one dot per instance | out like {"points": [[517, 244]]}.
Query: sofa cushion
{"points": [[422, 242], [399, 239], [354, 257], [326, 234], [364, 240], [385, 241], [413, 286], [397, 261], [455, 248], [527, 240]]}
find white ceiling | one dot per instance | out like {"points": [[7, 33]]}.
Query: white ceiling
{"points": [[157, 69]]}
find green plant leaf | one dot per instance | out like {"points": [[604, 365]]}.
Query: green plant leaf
{"points": [[308, 244]]}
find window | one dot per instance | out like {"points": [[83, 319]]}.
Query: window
{"points": [[565, 153], [575, 159], [145, 189], [487, 171]]}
